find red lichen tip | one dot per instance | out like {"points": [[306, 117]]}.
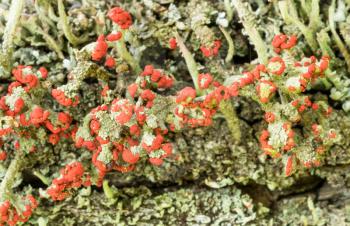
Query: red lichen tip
{"points": [[120, 17]]}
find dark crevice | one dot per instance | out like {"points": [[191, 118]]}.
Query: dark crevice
{"points": [[259, 193], [30, 179], [309, 187]]}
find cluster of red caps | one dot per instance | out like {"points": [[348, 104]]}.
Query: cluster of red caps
{"points": [[282, 41], [155, 77], [121, 107], [304, 103], [207, 52], [269, 150], [304, 73], [72, 176], [193, 113], [25, 78], [24, 116], [312, 70], [120, 17], [211, 50], [132, 117], [124, 20], [62, 99], [99, 140], [101, 49], [10, 215]]}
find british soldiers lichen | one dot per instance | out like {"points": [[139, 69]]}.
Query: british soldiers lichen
{"points": [[98, 104]]}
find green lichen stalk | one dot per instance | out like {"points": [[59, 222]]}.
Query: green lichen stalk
{"points": [[73, 39], [11, 174], [125, 55], [13, 20], [249, 23]]}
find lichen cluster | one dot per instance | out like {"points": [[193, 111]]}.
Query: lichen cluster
{"points": [[171, 112]]}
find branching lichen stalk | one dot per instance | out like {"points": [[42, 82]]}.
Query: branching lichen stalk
{"points": [[125, 55], [74, 40], [190, 62], [10, 176], [314, 16], [232, 120], [337, 39], [305, 6], [42, 178], [52, 44], [231, 47], [229, 10], [248, 21], [324, 41], [9, 32], [290, 15], [41, 15]]}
